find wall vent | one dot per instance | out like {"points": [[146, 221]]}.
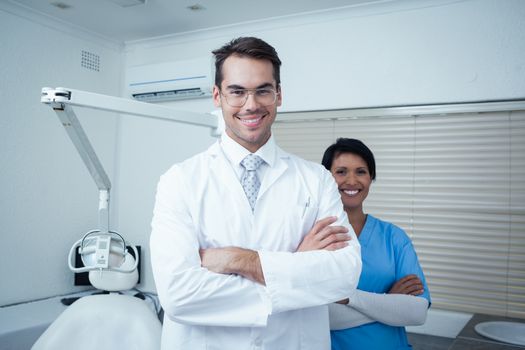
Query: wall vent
{"points": [[90, 61]]}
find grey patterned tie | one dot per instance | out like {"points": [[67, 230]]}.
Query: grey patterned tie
{"points": [[249, 181]]}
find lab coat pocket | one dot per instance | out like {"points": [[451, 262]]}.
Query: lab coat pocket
{"points": [[308, 215], [305, 215], [295, 221]]}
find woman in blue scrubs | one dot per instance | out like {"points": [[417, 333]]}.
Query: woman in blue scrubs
{"points": [[392, 292]]}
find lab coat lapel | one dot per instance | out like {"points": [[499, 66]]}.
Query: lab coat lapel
{"points": [[221, 168], [274, 173]]}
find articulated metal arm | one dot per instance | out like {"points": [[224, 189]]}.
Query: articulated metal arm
{"points": [[61, 96], [62, 100]]}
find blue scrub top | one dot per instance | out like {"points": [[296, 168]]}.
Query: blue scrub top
{"points": [[388, 255]]}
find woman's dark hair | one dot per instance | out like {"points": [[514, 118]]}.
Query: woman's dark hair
{"points": [[344, 145], [247, 47]]}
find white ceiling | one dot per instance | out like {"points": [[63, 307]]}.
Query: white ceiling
{"points": [[163, 17]]}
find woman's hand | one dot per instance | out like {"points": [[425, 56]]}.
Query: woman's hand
{"points": [[410, 285]]}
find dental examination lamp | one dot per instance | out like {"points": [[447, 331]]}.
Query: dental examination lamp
{"points": [[102, 249], [114, 320]]}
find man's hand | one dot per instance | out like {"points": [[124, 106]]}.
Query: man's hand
{"points": [[324, 236], [410, 285], [233, 260]]}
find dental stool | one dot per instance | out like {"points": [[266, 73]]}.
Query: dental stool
{"points": [[105, 321]]}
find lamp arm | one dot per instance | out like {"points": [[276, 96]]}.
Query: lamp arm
{"points": [[66, 96], [62, 100], [81, 142]]}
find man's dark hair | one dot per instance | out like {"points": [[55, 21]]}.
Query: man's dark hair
{"points": [[344, 145], [247, 47]]}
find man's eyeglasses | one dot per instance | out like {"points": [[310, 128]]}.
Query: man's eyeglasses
{"points": [[238, 97]]}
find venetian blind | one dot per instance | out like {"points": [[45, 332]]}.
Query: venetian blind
{"points": [[453, 177]]}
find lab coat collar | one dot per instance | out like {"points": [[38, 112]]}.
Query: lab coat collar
{"points": [[236, 153]]}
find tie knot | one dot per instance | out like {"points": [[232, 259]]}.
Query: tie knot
{"points": [[251, 162]]}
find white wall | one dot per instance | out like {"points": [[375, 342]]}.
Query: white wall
{"points": [[405, 52], [401, 53], [148, 149], [47, 198]]}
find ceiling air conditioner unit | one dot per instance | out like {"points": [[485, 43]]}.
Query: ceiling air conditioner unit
{"points": [[170, 81]]}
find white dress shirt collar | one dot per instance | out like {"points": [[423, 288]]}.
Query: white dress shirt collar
{"points": [[236, 153]]}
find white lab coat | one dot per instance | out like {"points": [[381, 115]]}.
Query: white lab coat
{"points": [[200, 204]]}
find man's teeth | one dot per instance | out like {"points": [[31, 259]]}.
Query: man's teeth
{"points": [[351, 193], [250, 121]]}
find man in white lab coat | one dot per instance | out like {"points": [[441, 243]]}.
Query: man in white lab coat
{"points": [[248, 258]]}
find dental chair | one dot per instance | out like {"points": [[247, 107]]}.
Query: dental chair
{"points": [[104, 321]]}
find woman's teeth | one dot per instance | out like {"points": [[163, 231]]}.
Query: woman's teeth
{"points": [[351, 193]]}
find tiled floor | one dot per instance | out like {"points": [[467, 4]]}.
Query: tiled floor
{"points": [[467, 339]]}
